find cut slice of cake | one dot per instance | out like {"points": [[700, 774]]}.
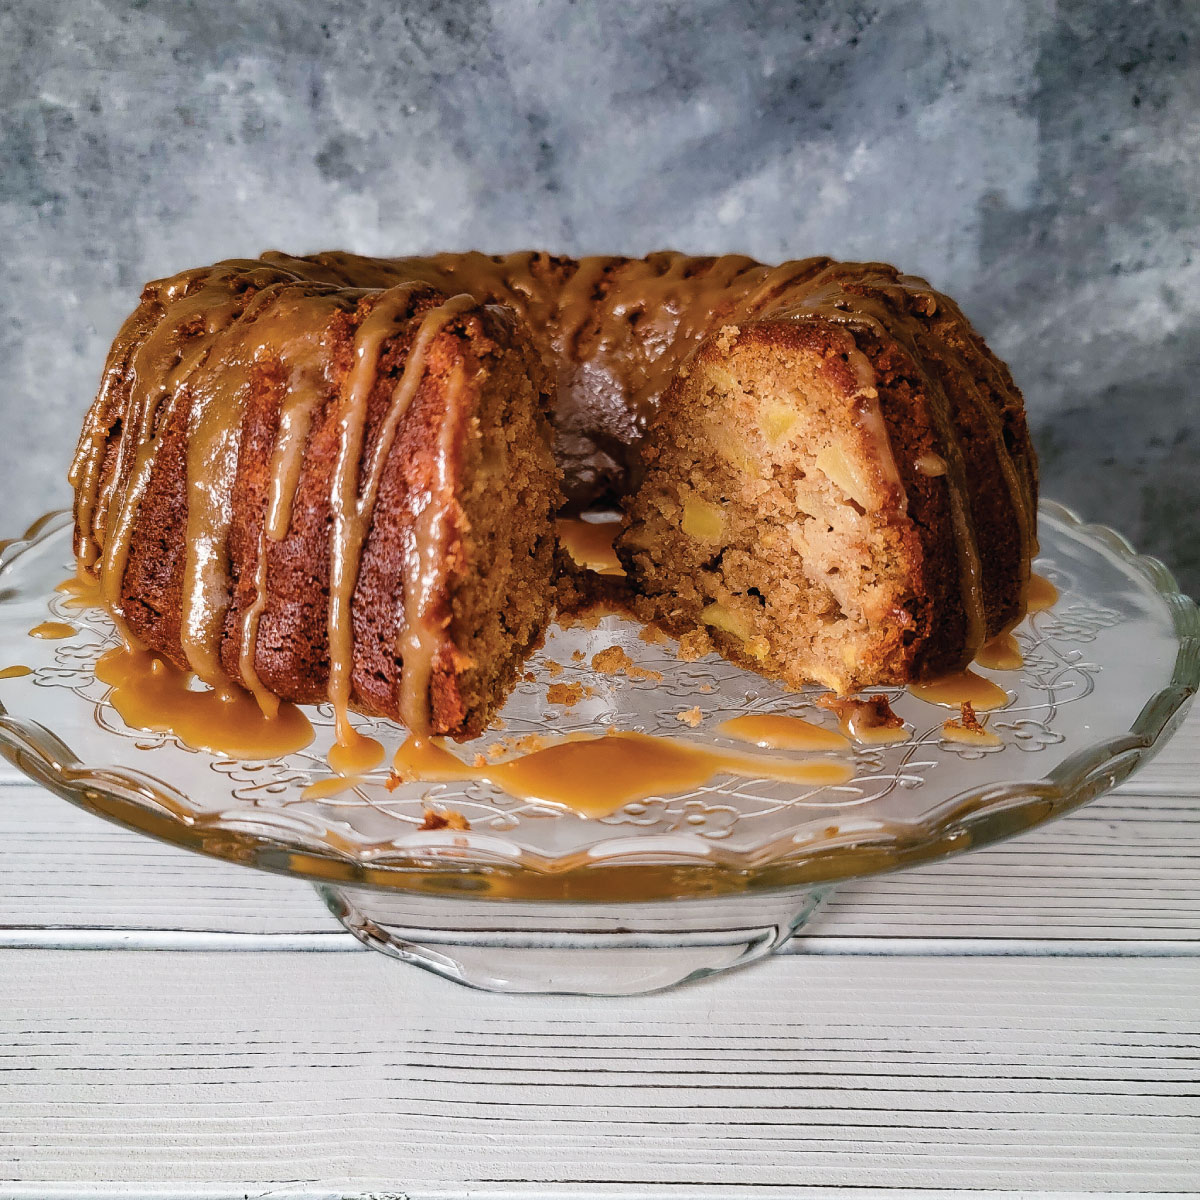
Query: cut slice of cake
{"points": [[324, 494], [805, 504]]}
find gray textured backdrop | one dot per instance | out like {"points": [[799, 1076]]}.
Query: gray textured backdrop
{"points": [[1040, 161]]}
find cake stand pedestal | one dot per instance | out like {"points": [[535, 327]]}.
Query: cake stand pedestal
{"points": [[587, 949]]}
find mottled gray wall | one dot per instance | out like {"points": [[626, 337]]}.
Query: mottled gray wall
{"points": [[1040, 161]]}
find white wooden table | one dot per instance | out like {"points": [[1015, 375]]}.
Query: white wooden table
{"points": [[1022, 1021]]}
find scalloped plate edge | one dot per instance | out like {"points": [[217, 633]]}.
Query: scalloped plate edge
{"points": [[968, 819]]}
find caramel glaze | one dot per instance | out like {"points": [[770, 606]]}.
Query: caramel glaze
{"points": [[590, 544], [225, 341], [151, 693], [52, 630], [352, 752], [1042, 594], [185, 371], [326, 789], [777, 731], [597, 776], [1002, 653], [80, 593], [962, 687]]}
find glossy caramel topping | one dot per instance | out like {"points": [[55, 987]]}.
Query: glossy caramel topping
{"points": [[597, 776], [326, 789], [422, 633], [351, 509], [963, 687], [295, 337], [1002, 653], [161, 367], [353, 752], [15, 672], [52, 630], [1042, 594], [776, 731], [218, 390], [869, 722], [590, 543], [150, 693], [80, 592]]}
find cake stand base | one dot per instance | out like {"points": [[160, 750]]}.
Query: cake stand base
{"points": [[595, 950]]}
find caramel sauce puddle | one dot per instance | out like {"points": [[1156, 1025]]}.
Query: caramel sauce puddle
{"points": [[153, 694], [962, 687], [52, 630], [777, 731], [598, 776], [590, 544], [1002, 653]]}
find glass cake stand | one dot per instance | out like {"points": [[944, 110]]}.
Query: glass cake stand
{"points": [[533, 897]]}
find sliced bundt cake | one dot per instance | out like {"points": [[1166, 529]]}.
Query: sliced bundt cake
{"points": [[331, 477]]}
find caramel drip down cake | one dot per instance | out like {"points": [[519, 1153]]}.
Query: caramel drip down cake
{"points": [[336, 478]]}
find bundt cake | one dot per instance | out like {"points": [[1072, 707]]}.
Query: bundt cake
{"points": [[335, 477]]}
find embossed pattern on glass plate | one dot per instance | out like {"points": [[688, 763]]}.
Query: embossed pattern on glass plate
{"points": [[1107, 674]]}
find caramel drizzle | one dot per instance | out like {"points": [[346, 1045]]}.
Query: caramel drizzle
{"points": [[419, 639], [352, 507], [597, 775], [160, 370], [150, 693], [308, 381], [52, 630], [157, 352], [961, 687], [215, 416], [777, 280], [84, 475], [576, 300], [184, 338]]}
